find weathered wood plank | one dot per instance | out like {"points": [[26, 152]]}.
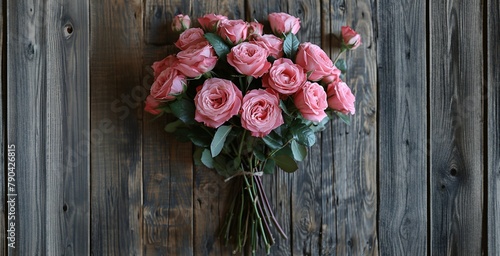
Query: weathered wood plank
{"points": [[158, 16], [355, 145], [168, 179], [4, 208], [210, 190], [456, 121], [116, 96], [493, 132], [48, 66], [403, 127]]}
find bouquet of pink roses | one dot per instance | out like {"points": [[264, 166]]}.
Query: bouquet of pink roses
{"points": [[249, 102]]}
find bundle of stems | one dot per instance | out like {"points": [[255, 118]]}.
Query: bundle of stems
{"points": [[250, 216]]}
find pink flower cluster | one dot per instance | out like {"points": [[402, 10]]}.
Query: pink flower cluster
{"points": [[311, 79]]}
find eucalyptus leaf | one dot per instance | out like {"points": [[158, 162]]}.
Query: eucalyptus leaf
{"points": [[290, 45], [299, 151], [341, 65], [345, 118], [206, 158], [219, 139], [220, 47]]}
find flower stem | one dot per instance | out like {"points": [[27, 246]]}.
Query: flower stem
{"points": [[343, 49], [270, 210]]}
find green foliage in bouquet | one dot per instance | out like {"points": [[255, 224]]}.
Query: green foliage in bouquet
{"points": [[249, 102]]}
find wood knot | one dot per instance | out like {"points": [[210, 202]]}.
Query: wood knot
{"points": [[68, 30]]}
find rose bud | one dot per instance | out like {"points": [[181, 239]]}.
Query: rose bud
{"points": [[350, 39], [181, 23]]}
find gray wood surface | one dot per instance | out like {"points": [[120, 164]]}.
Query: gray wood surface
{"points": [[116, 159], [456, 131], [354, 157], [416, 173], [4, 208], [493, 131], [48, 116], [402, 146]]}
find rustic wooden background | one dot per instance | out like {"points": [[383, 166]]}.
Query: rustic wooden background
{"points": [[417, 172]]}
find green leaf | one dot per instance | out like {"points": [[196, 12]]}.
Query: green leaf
{"points": [[290, 45], [206, 159], [341, 64], [220, 47], [321, 125], [286, 163], [273, 140], [299, 151], [171, 127], [269, 166], [303, 133], [197, 156], [219, 139], [184, 110], [200, 137], [344, 117]]}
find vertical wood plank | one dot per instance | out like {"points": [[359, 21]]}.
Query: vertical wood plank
{"points": [[456, 134], [403, 124], [355, 145], [493, 132], [210, 190], [168, 165], [48, 67], [116, 127], [3, 141]]}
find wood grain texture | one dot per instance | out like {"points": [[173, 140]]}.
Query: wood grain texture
{"points": [[168, 179], [355, 145], [456, 133], [403, 124], [116, 96], [4, 208], [493, 132], [158, 16], [48, 64]]}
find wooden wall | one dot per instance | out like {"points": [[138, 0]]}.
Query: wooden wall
{"points": [[416, 173]]}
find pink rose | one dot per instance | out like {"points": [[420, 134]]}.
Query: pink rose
{"points": [[272, 43], [216, 102], [255, 28], [168, 84], [181, 23], [334, 76], [249, 59], [210, 22], [159, 66], [283, 23], [152, 105], [311, 101], [260, 112], [340, 98], [190, 37], [233, 31], [314, 60], [285, 77], [350, 38], [196, 60]]}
